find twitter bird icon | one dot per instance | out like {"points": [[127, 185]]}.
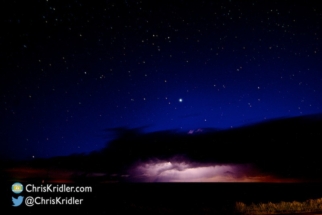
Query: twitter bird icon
{"points": [[17, 201]]}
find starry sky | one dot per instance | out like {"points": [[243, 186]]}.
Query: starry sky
{"points": [[72, 69]]}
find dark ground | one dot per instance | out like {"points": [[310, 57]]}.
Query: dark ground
{"points": [[169, 198]]}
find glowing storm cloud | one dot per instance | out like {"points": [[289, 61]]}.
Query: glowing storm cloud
{"points": [[185, 171], [167, 171]]}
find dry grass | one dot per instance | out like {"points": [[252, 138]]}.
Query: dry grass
{"points": [[311, 205]]}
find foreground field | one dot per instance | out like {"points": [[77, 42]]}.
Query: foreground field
{"points": [[308, 206]]}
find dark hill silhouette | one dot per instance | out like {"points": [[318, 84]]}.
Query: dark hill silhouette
{"points": [[287, 147]]}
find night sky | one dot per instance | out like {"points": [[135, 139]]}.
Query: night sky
{"points": [[72, 69]]}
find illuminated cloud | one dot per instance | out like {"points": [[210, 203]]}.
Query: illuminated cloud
{"points": [[179, 170], [184, 171]]}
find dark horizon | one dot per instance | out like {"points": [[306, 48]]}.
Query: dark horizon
{"points": [[113, 134], [232, 155]]}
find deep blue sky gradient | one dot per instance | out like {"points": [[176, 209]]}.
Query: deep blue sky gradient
{"points": [[73, 69]]}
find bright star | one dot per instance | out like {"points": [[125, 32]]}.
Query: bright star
{"points": [[180, 100]]}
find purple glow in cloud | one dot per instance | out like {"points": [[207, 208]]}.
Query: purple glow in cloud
{"points": [[184, 171]]}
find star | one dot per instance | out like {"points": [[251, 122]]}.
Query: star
{"points": [[180, 100]]}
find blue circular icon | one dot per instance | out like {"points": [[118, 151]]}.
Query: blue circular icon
{"points": [[17, 187]]}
